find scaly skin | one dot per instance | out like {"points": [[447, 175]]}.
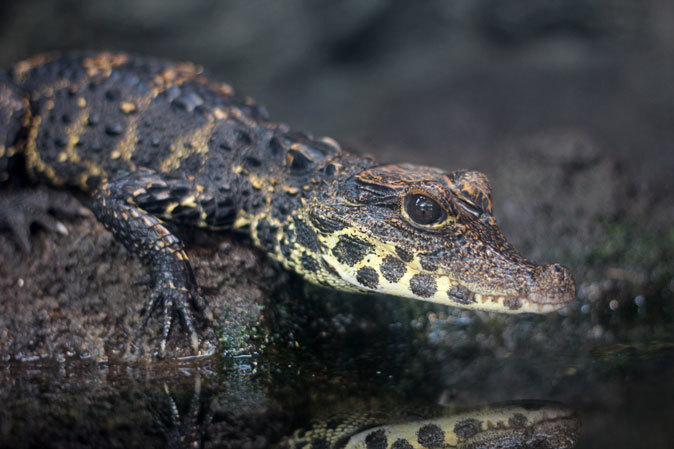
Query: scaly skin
{"points": [[159, 145], [518, 424]]}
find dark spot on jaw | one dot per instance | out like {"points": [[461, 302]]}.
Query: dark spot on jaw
{"points": [[423, 285], [309, 263], [405, 255], [431, 435], [513, 303], [306, 236], [392, 269], [467, 428], [333, 423], [461, 294], [401, 444], [376, 440], [517, 421], [368, 277], [351, 250], [427, 263]]}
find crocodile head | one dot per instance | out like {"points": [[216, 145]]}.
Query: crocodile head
{"points": [[423, 233]]}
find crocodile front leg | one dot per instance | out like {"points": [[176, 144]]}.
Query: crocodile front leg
{"points": [[127, 206]]}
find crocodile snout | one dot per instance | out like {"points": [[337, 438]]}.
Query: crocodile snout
{"points": [[553, 287]]}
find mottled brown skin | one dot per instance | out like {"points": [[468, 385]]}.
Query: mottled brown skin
{"points": [[160, 145]]}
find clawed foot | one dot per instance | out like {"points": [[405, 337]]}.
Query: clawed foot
{"points": [[172, 297], [19, 210]]}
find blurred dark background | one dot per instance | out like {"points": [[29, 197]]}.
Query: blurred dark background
{"points": [[441, 82]]}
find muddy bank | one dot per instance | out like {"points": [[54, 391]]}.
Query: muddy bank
{"points": [[77, 296]]}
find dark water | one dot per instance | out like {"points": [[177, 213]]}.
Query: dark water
{"points": [[613, 368]]}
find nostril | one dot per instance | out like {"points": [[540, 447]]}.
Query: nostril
{"points": [[554, 285], [556, 272]]}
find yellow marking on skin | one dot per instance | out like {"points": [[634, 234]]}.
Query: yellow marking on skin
{"points": [[199, 145], [127, 144], [174, 75], [238, 169], [34, 162], [261, 183], [220, 87], [82, 102], [128, 107], [161, 231], [22, 68], [189, 201], [243, 118], [220, 114], [70, 154], [171, 207], [103, 63], [48, 90]]}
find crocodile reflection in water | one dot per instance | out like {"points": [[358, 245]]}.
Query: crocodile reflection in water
{"points": [[507, 425]]}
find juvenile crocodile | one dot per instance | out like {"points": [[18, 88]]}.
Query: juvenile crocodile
{"points": [[160, 145]]}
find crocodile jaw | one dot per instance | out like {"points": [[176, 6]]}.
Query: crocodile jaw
{"points": [[541, 288]]}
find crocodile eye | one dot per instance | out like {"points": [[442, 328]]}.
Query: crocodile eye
{"points": [[423, 210]]}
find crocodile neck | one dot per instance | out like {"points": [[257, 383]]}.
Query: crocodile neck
{"points": [[275, 201]]}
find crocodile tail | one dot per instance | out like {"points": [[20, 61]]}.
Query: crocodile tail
{"points": [[13, 107]]}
